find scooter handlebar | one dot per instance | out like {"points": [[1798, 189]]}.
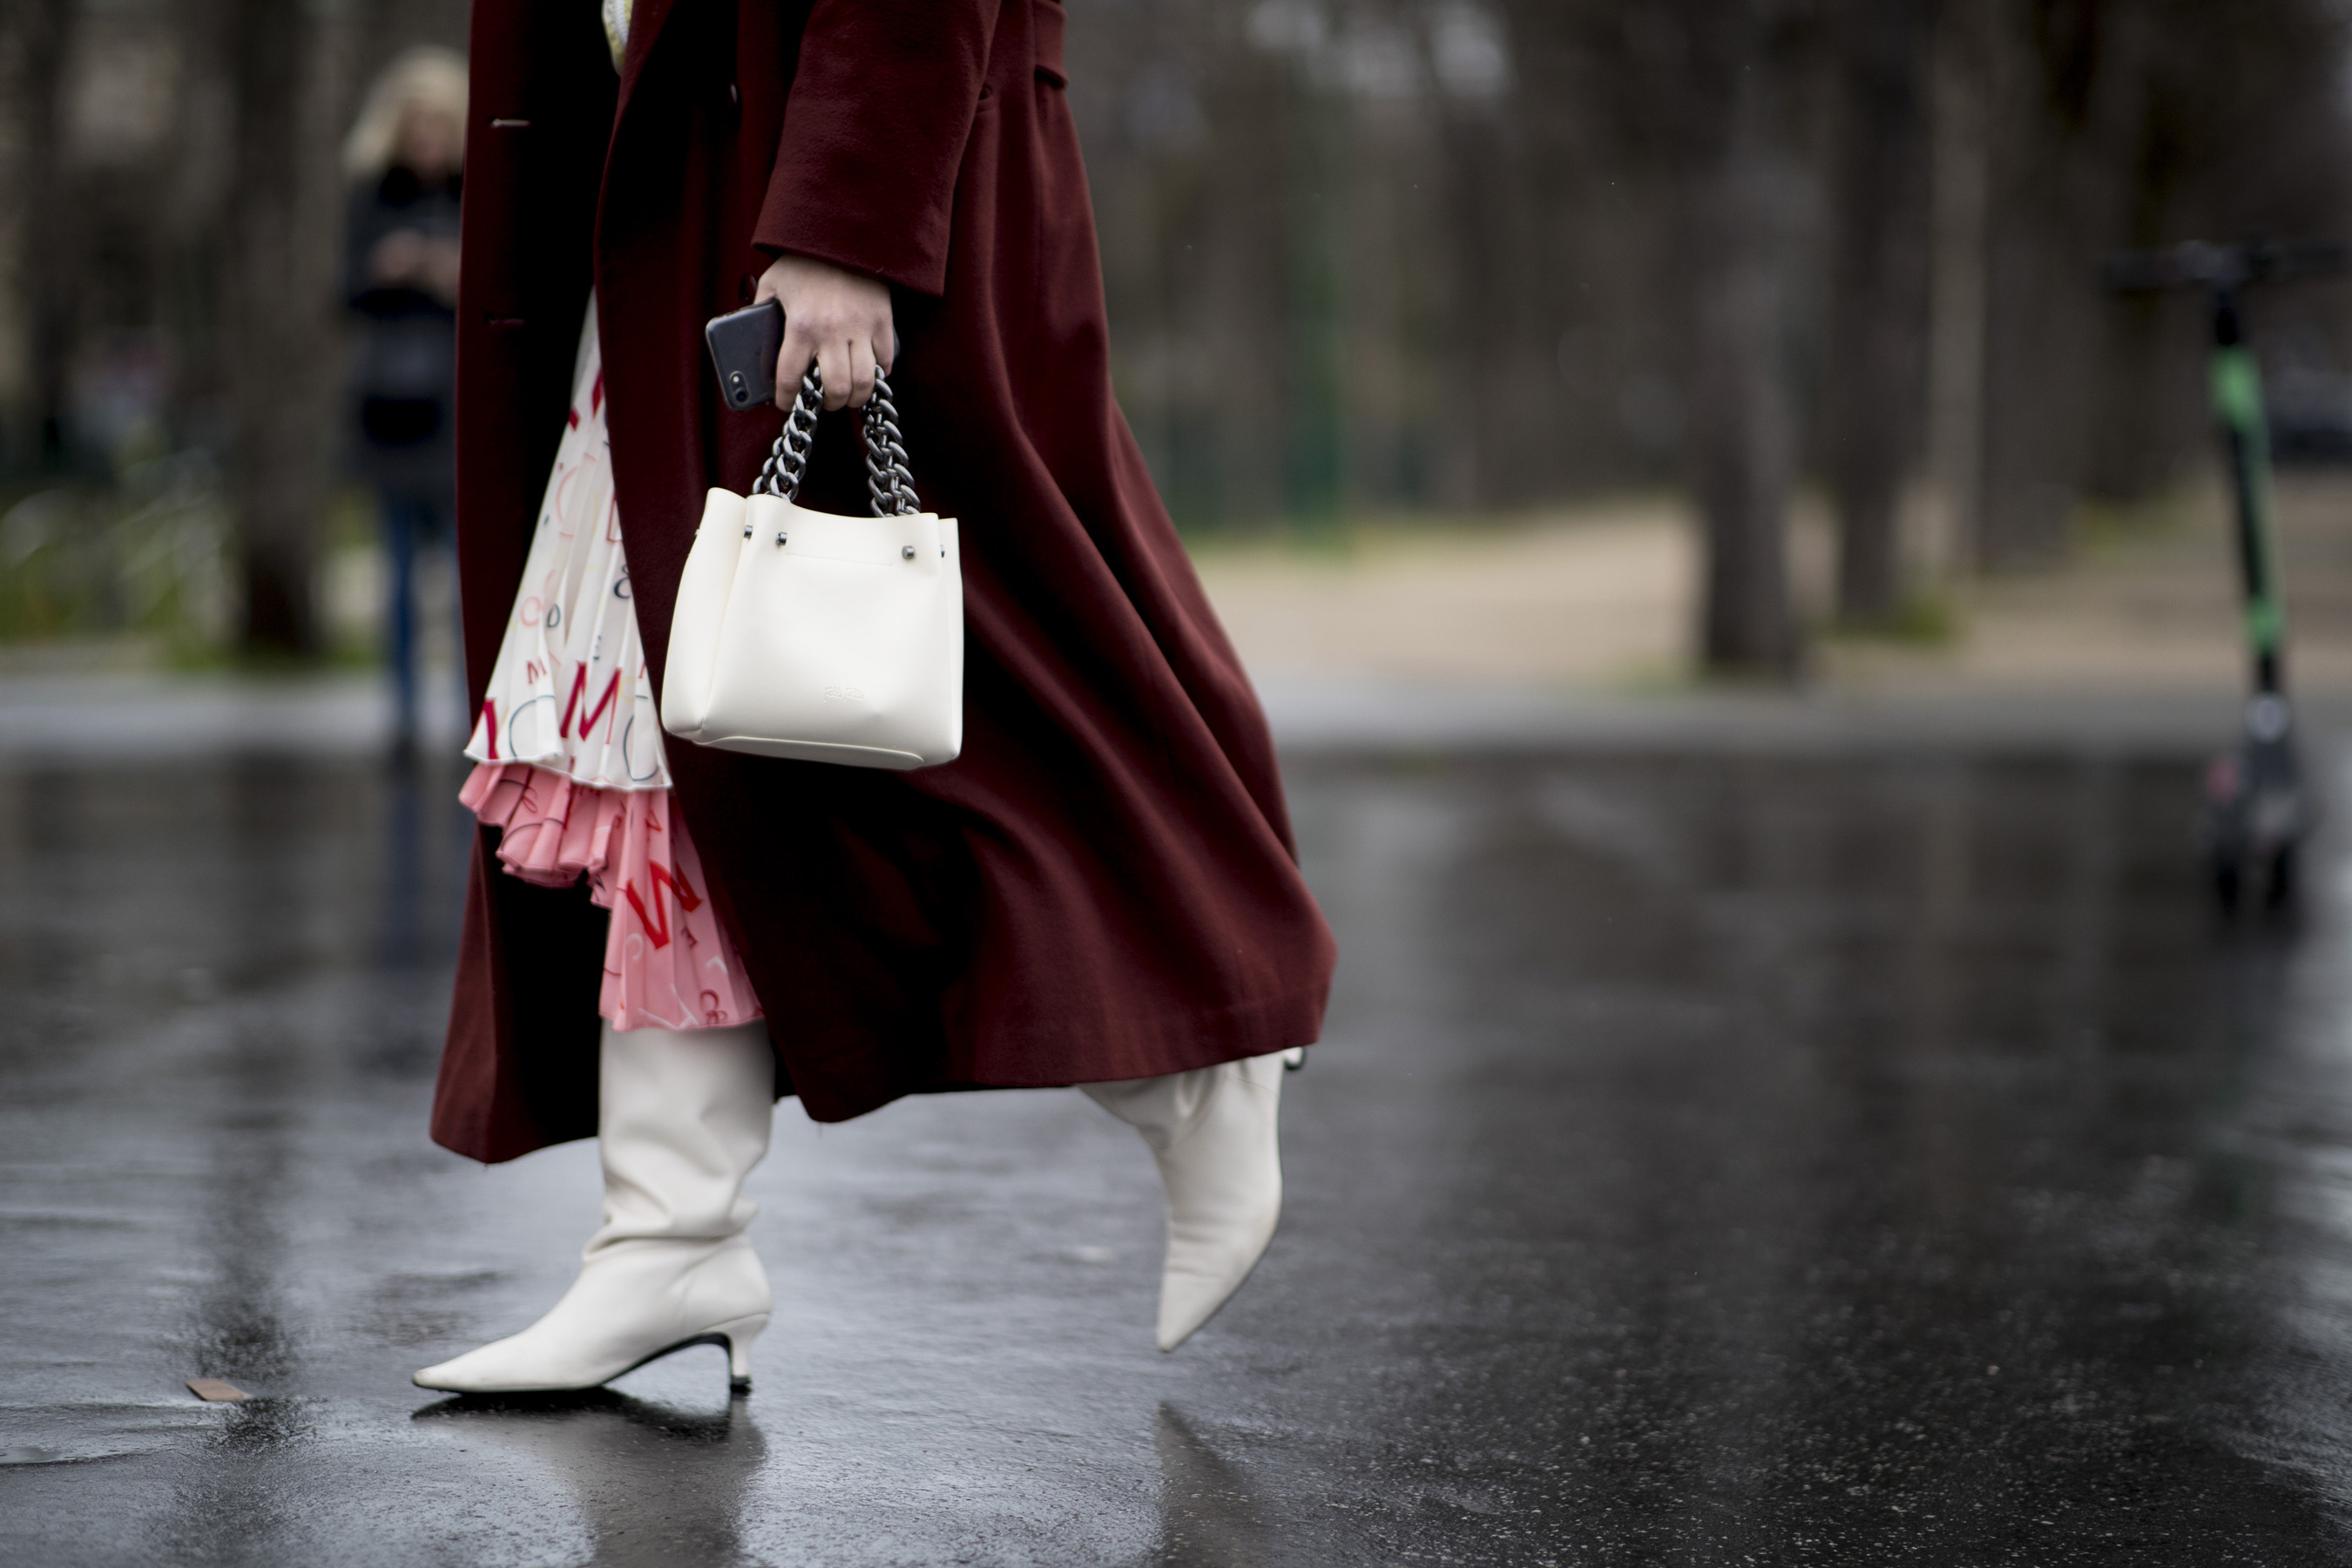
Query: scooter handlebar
{"points": [[2200, 264]]}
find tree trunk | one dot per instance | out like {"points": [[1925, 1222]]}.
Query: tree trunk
{"points": [[1741, 435], [43, 243], [1876, 278], [1957, 236], [1316, 207], [274, 316], [2078, 139]]}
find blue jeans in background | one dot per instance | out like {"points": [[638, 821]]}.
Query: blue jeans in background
{"points": [[411, 523]]}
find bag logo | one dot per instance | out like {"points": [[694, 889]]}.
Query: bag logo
{"points": [[844, 694]]}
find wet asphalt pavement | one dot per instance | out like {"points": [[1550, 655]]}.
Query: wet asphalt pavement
{"points": [[1879, 1157]]}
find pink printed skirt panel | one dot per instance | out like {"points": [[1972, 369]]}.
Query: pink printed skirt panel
{"points": [[668, 960], [568, 751]]}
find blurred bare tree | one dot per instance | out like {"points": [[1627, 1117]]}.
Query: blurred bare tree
{"points": [[1738, 224], [1361, 256], [1582, 246], [44, 39], [1872, 394], [169, 249], [272, 311]]}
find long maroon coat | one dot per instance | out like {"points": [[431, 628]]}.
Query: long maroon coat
{"points": [[1104, 884]]}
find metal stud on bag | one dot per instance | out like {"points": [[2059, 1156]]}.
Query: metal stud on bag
{"points": [[888, 480]]}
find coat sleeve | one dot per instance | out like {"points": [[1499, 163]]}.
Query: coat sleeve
{"points": [[881, 104]]}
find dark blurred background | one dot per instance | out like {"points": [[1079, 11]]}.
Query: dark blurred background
{"points": [[1441, 261]]}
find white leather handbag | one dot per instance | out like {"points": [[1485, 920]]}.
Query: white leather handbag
{"points": [[829, 639]]}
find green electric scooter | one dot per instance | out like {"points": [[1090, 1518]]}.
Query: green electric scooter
{"points": [[2256, 809]]}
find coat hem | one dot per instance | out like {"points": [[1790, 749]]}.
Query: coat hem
{"points": [[1179, 1043]]}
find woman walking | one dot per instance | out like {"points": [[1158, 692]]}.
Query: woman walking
{"points": [[660, 939]]}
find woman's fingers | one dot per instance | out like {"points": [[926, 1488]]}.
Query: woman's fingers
{"points": [[844, 364], [861, 372], [832, 363], [840, 319], [792, 360], [788, 381]]}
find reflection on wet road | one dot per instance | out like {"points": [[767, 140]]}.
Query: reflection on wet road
{"points": [[654, 1484], [1712, 1159]]}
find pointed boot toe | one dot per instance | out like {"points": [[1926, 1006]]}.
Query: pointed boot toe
{"points": [[1202, 1275], [1223, 1179], [502, 1367]]}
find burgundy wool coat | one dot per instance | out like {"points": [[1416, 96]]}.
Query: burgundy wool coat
{"points": [[1104, 884]]}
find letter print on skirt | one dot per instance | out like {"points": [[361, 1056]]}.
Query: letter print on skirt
{"points": [[568, 751]]}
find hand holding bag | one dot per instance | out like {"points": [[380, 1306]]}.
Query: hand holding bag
{"points": [[829, 639]]}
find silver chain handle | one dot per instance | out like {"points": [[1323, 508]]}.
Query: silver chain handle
{"points": [[888, 480], [788, 458]]}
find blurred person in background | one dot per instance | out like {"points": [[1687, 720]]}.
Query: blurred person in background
{"points": [[403, 159]]}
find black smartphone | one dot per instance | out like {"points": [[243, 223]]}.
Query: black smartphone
{"points": [[743, 349]]}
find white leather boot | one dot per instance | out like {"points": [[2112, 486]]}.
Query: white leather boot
{"points": [[682, 1117], [1214, 1134]]}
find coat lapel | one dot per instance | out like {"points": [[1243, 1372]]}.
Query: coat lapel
{"points": [[646, 19]]}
